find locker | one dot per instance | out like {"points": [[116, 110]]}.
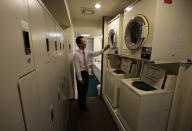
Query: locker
{"points": [[50, 33], [55, 71], [42, 61], [16, 55], [15, 38], [30, 104]]}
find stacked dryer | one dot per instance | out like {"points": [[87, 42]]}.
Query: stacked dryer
{"points": [[115, 29], [158, 31]]}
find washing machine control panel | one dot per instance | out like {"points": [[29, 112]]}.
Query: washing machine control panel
{"points": [[154, 76], [146, 52]]}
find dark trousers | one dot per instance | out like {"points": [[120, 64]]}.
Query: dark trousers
{"points": [[82, 89]]}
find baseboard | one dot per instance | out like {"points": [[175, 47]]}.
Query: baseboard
{"points": [[114, 114]]}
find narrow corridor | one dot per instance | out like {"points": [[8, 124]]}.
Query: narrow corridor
{"points": [[96, 119]]}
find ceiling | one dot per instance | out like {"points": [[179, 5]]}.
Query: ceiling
{"points": [[92, 24], [69, 12], [108, 8], [59, 10]]}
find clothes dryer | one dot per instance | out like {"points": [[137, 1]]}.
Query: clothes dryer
{"points": [[158, 31], [115, 34]]}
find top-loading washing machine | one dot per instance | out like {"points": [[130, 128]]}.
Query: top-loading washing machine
{"points": [[115, 34], [128, 69], [145, 103], [158, 31]]}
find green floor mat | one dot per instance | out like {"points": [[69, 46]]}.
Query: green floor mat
{"points": [[92, 91]]}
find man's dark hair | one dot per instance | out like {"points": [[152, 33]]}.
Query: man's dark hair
{"points": [[78, 40]]}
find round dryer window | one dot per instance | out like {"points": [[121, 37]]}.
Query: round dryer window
{"points": [[112, 40], [136, 32]]}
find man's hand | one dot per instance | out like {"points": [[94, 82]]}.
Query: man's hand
{"points": [[82, 82], [107, 47]]}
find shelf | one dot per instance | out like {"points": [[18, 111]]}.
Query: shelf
{"points": [[130, 57], [113, 54]]}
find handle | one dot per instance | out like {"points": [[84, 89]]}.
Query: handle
{"points": [[47, 44], [52, 115], [55, 45], [26, 43], [60, 45], [58, 95]]}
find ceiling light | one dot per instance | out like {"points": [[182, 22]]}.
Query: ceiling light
{"points": [[97, 6], [129, 9], [86, 35]]}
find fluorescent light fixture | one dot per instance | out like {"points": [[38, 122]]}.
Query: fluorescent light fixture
{"points": [[86, 35], [129, 9], [97, 6]]}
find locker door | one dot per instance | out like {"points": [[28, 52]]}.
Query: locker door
{"points": [[16, 48], [30, 105]]}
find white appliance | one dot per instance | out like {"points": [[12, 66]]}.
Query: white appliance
{"points": [[145, 103], [128, 69], [115, 33], [158, 31]]}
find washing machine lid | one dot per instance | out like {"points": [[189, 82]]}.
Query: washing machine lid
{"points": [[112, 39], [153, 76], [136, 32]]}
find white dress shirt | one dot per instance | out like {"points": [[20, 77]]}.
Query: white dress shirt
{"points": [[79, 60]]}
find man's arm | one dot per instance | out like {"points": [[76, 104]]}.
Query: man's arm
{"points": [[77, 68], [96, 53]]}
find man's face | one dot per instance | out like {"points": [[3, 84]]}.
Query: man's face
{"points": [[83, 43]]}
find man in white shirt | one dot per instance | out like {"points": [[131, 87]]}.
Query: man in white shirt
{"points": [[81, 59]]}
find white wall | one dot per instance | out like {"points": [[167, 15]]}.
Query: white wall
{"points": [[93, 28]]}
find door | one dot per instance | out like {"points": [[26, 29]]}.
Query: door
{"points": [[30, 103], [112, 38], [136, 32], [15, 38], [184, 104]]}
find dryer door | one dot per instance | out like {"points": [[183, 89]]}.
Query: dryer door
{"points": [[136, 32], [112, 38]]}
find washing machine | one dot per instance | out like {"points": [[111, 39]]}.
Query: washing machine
{"points": [[158, 30], [145, 103], [128, 69], [115, 32]]}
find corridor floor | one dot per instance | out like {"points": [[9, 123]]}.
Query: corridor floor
{"points": [[96, 119]]}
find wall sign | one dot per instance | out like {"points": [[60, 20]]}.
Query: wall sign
{"points": [[25, 24], [168, 1]]}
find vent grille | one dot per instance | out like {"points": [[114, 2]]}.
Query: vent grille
{"points": [[87, 11]]}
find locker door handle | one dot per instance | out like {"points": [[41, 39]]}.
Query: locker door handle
{"points": [[47, 44], [26, 43], [58, 95], [55, 45], [52, 115], [60, 45]]}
